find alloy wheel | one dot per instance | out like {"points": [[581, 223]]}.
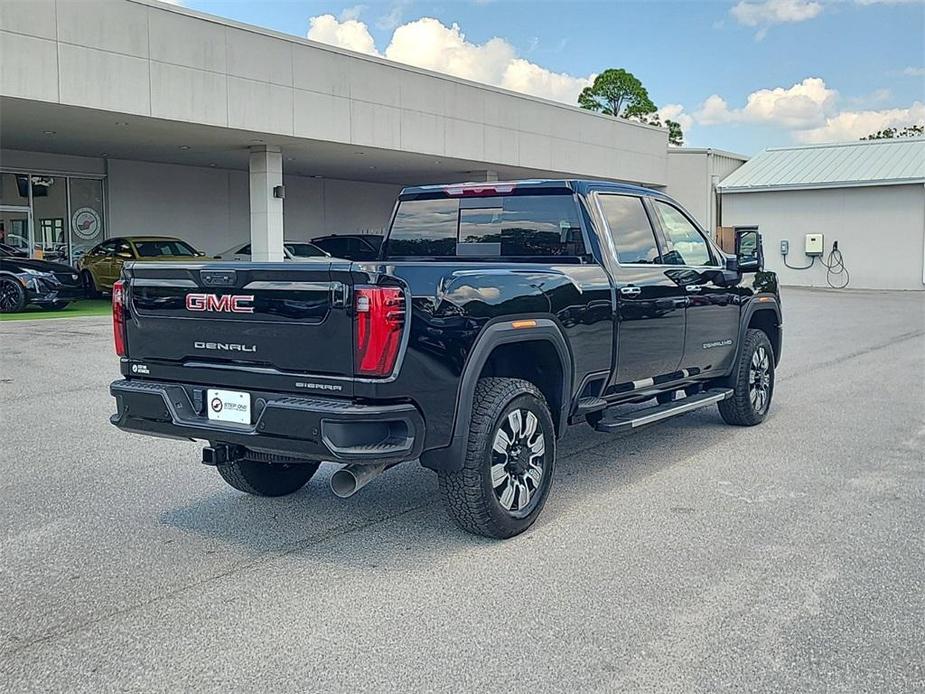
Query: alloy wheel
{"points": [[517, 464], [759, 379], [9, 296]]}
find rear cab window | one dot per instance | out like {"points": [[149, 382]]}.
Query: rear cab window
{"points": [[523, 225]]}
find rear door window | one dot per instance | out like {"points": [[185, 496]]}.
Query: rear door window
{"points": [[630, 230], [510, 226]]}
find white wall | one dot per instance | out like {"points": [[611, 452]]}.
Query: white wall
{"points": [[689, 183], [690, 180], [210, 207], [167, 62], [880, 231]]}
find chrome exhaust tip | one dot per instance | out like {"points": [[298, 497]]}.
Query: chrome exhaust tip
{"points": [[352, 478]]}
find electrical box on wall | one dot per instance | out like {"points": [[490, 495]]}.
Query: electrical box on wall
{"points": [[814, 244]]}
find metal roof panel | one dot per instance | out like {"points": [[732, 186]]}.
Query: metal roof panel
{"points": [[867, 162]]}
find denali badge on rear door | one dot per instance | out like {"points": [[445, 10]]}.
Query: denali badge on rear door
{"points": [[225, 346]]}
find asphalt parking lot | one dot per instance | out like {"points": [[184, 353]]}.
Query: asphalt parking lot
{"points": [[691, 556]]}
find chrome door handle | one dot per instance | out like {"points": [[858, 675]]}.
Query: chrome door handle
{"points": [[630, 291], [693, 288]]}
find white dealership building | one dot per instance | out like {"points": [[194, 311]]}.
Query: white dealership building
{"points": [[868, 197], [129, 117]]}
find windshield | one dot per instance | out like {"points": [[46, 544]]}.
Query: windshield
{"points": [[304, 250], [159, 247]]}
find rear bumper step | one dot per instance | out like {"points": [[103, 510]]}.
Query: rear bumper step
{"points": [[650, 415], [307, 428]]}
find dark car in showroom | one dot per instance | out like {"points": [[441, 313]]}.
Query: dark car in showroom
{"points": [[25, 281], [350, 246]]}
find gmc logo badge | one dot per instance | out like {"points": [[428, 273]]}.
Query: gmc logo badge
{"points": [[228, 303]]}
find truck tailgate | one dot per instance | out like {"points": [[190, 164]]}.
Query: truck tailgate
{"points": [[287, 318]]}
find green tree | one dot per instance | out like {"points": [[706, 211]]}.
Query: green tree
{"points": [[891, 133], [617, 92]]}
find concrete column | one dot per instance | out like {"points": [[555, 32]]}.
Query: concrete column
{"points": [[266, 171], [491, 176]]}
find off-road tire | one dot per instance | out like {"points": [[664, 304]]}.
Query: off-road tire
{"points": [[13, 294], [267, 478], [739, 410], [468, 494]]}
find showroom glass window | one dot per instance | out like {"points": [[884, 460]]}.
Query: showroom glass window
{"points": [[49, 217], [87, 221], [15, 211], [630, 229], [510, 226], [685, 244]]}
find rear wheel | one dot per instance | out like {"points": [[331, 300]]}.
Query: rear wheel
{"points": [[89, 285], [752, 382], [509, 461], [265, 478], [12, 296]]}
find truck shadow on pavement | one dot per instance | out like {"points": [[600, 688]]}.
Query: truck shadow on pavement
{"points": [[402, 510]]}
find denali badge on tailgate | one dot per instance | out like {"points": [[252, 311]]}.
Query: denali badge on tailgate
{"points": [[228, 303]]}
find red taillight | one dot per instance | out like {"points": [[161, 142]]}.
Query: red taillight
{"points": [[380, 317], [118, 317]]}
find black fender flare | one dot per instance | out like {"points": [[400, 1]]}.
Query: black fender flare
{"points": [[759, 302], [450, 458]]}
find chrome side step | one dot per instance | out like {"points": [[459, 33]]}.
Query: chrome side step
{"points": [[650, 415]]}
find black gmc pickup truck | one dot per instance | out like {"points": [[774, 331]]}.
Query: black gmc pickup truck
{"points": [[495, 316]]}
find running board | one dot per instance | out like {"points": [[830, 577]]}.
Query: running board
{"points": [[650, 415]]}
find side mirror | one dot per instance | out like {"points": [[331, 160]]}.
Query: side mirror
{"points": [[749, 253]]}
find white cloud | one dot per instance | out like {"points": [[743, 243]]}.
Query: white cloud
{"points": [[886, 2], [394, 16], [811, 111], [350, 34], [914, 71], [351, 12], [852, 125], [676, 113], [803, 105], [770, 12], [429, 44]]}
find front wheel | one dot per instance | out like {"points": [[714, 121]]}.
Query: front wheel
{"points": [[12, 296], [509, 461], [752, 381], [262, 478]]}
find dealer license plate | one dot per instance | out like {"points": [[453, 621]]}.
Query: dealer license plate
{"points": [[229, 406]]}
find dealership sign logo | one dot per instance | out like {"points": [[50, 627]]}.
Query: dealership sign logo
{"points": [[86, 223], [228, 303]]}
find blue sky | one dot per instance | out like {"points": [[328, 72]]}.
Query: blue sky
{"points": [[739, 75]]}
